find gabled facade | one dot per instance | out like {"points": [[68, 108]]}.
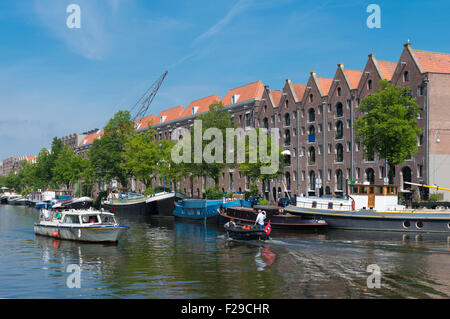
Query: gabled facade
{"points": [[315, 122]]}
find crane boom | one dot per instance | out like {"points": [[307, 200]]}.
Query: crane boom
{"points": [[429, 186], [144, 102]]}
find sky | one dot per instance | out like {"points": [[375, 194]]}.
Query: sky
{"points": [[55, 80]]}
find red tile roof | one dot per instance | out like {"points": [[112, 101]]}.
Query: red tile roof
{"points": [[243, 93], [170, 114], [276, 97], [387, 68], [90, 138], [433, 61], [299, 90], [353, 76], [324, 84], [142, 123], [201, 104]]}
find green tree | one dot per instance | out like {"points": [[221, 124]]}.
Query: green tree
{"points": [[218, 118], [254, 169], [68, 167], [107, 153], [141, 156], [388, 125]]}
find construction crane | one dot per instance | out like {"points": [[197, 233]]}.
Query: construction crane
{"points": [[141, 106]]}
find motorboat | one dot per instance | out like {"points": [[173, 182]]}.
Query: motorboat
{"points": [[74, 203], [16, 200], [239, 231], [87, 225]]}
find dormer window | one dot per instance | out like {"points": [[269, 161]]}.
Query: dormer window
{"points": [[234, 98]]}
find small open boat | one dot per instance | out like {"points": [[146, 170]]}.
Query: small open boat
{"points": [[82, 225], [247, 232]]}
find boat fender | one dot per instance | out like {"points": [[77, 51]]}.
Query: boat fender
{"points": [[55, 234], [353, 205]]}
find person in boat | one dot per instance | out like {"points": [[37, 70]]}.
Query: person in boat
{"points": [[45, 214], [230, 223], [58, 215], [259, 223]]}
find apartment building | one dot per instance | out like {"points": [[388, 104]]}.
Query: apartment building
{"points": [[315, 122]]}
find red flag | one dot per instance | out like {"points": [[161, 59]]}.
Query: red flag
{"points": [[268, 228]]}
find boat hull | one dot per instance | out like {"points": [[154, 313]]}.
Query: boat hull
{"points": [[162, 205], [118, 209], [280, 221], [241, 234], [379, 221], [86, 234], [203, 210]]}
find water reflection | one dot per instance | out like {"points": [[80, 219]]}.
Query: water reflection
{"points": [[162, 258]]}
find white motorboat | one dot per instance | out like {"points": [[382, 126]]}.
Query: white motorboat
{"points": [[82, 225]]}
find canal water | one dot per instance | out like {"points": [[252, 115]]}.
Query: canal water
{"points": [[163, 258]]}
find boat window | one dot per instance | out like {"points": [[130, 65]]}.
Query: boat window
{"points": [[190, 211], [362, 190], [419, 224], [379, 190], [71, 219], [354, 189], [391, 190], [371, 190], [314, 204], [330, 205], [107, 220], [199, 211]]}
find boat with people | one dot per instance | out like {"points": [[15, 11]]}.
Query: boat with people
{"points": [[204, 209], [371, 207], [239, 231], [87, 225], [279, 218], [162, 203]]}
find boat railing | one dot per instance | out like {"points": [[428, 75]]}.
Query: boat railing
{"points": [[331, 205]]}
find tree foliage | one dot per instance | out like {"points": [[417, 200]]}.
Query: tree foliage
{"points": [[388, 125], [107, 153]]}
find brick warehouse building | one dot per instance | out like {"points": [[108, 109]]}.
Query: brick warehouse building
{"points": [[315, 123]]}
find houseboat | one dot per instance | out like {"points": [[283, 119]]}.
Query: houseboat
{"points": [[278, 218], [125, 203], [82, 225], [204, 209], [371, 207], [163, 203]]}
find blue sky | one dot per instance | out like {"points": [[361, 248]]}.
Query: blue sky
{"points": [[55, 81]]}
